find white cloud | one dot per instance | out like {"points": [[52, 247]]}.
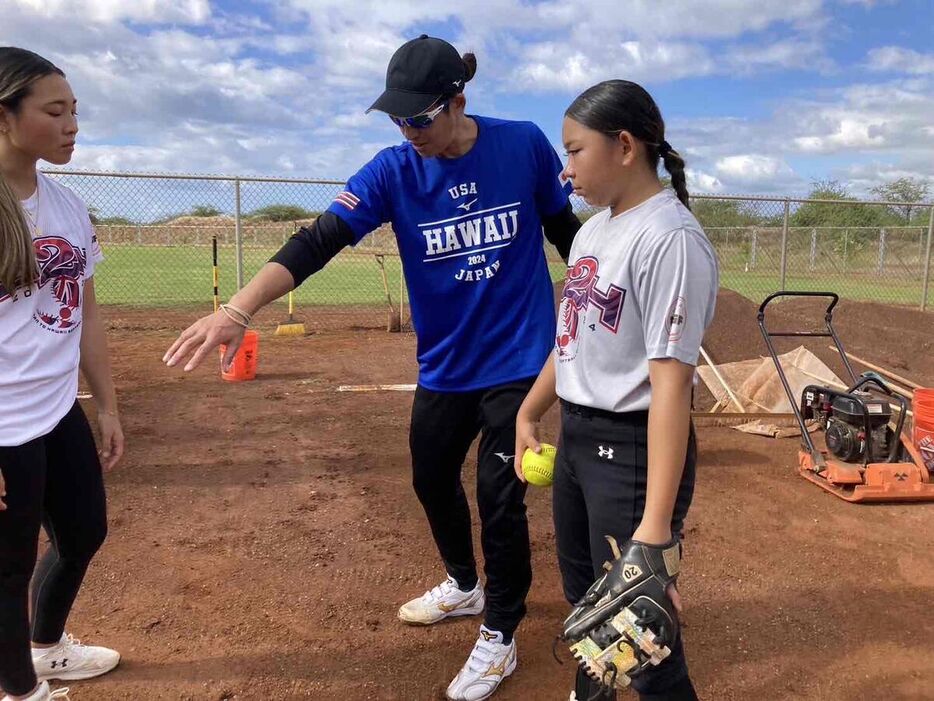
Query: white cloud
{"points": [[752, 167], [190, 12], [556, 45], [901, 60], [556, 66], [677, 18], [791, 53], [851, 132], [702, 183], [863, 177], [866, 117], [867, 3]]}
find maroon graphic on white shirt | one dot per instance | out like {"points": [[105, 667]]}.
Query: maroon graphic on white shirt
{"points": [[61, 266]]}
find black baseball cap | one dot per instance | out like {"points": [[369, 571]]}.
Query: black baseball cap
{"points": [[421, 72]]}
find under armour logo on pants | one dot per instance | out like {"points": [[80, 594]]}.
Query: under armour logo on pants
{"points": [[605, 453]]}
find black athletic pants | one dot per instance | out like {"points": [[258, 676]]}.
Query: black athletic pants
{"points": [[600, 481], [444, 424], [55, 481]]}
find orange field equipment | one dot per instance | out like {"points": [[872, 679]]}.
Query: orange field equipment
{"points": [[864, 458]]}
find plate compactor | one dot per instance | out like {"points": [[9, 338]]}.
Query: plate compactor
{"points": [[867, 457]]}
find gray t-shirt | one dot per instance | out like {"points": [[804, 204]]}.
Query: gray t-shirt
{"points": [[640, 286]]}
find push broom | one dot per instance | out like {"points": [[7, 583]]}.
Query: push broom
{"points": [[216, 295], [291, 327]]}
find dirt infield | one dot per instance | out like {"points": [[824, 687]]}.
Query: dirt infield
{"points": [[263, 535]]}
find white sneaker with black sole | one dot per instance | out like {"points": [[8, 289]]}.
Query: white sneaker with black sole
{"points": [[44, 693], [443, 601], [490, 662], [71, 661]]}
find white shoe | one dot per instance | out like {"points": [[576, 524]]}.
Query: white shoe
{"points": [[444, 600], [489, 663], [70, 660], [43, 693]]}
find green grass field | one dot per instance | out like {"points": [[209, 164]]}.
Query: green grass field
{"points": [[176, 276], [171, 276]]}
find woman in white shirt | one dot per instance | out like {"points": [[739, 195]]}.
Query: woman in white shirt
{"points": [[50, 326], [640, 291]]}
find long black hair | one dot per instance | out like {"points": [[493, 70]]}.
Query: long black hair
{"points": [[19, 69], [614, 106]]}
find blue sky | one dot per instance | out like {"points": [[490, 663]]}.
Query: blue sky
{"points": [[761, 97]]}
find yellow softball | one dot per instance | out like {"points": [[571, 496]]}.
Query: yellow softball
{"points": [[539, 468]]}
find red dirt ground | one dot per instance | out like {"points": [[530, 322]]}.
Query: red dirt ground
{"points": [[263, 535]]}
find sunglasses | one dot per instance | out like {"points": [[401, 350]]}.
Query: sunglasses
{"points": [[419, 121]]}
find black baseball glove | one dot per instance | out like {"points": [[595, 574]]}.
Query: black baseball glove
{"points": [[626, 622]]}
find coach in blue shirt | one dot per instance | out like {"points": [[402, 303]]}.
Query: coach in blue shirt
{"points": [[468, 198]]}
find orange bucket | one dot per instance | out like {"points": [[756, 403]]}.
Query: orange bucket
{"points": [[924, 398], [244, 363], [922, 406]]}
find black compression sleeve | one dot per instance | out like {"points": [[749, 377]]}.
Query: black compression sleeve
{"points": [[309, 249], [560, 229]]}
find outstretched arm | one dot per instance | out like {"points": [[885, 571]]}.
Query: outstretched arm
{"points": [[303, 254]]}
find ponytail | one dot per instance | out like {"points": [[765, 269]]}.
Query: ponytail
{"points": [[470, 66], [674, 164], [17, 255]]}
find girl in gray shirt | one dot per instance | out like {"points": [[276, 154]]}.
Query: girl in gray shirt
{"points": [[640, 291]]}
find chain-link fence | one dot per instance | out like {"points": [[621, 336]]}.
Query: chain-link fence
{"points": [[868, 251], [157, 232]]}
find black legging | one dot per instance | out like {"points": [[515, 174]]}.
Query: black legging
{"points": [[54, 481]]}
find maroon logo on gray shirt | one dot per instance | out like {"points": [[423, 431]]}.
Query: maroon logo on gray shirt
{"points": [[580, 291]]}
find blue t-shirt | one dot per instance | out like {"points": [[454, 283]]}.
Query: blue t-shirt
{"points": [[469, 231]]}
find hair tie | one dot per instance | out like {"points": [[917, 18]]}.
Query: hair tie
{"points": [[664, 148]]}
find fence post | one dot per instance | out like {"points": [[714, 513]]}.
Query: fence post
{"points": [[927, 262], [846, 243], [882, 251], [813, 260], [754, 249], [784, 263], [239, 233], [920, 245], [139, 234]]}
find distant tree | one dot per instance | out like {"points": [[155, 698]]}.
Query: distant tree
{"points": [[725, 213], [832, 214], [903, 190], [282, 212], [204, 210], [94, 213]]}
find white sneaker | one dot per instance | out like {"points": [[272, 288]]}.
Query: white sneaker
{"points": [[43, 693], [444, 600], [489, 663], [70, 660]]}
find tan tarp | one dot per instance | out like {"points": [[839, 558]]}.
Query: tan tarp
{"points": [[758, 388], [756, 383], [763, 427]]}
